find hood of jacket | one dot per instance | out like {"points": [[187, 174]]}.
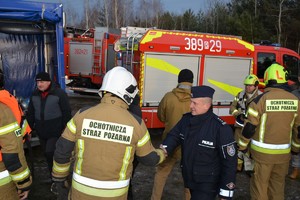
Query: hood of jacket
{"points": [[183, 91]]}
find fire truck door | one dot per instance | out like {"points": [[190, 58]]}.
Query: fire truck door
{"points": [[226, 76], [81, 58], [161, 74]]}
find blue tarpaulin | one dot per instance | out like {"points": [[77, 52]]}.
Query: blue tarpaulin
{"points": [[31, 41]]}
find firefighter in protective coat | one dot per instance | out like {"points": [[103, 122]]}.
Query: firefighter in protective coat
{"points": [[238, 110], [209, 154], [105, 139], [15, 179], [272, 120]]}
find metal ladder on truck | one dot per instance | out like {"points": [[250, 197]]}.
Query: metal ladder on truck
{"points": [[133, 35], [97, 57]]}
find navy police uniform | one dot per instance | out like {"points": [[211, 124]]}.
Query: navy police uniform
{"points": [[209, 153]]}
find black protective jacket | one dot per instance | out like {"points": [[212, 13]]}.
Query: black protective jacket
{"points": [[49, 115], [209, 153]]}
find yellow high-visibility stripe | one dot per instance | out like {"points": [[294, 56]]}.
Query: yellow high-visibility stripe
{"points": [[270, 151], [125, 164], [60, 169], [6, 180], [226, 87], [150, 37], [144, 140], [252, 112], [162, 65], [80, 145], [262, 128], [295, 144], [242, 143], [20, 176], [235, 111], [71, 126], [9, 128], [142, 79], [99, 192]]}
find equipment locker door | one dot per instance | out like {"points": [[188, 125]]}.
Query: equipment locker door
{"points": [[226, 75], [161, 74]]}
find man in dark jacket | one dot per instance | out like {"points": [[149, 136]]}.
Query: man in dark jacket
{"points": [[209, 154], [48, 113]]}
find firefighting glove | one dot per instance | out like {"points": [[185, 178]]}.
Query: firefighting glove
{"points": [[248, 163]]}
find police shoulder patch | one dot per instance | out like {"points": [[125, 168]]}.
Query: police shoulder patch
{"points": [[230, 150]]}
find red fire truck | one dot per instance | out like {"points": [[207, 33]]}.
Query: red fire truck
{"points": [[88, 56], [155, 57]]}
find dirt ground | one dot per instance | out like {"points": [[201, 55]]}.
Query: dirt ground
{"points": [[144, 176]]}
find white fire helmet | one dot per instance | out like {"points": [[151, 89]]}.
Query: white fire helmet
{"points": [[121, 83]]}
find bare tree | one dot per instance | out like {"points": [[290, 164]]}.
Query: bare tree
{"points": [[279, 20]]}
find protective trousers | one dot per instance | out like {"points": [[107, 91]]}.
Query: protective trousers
{"points": [[268, 181], [162, 172], [8, 192]]}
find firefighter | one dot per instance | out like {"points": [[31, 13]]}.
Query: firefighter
{"points": [[105, 139], [296, 158], [14, 172], [271, 119], [238, 110], [209, 154], [170, 110]]}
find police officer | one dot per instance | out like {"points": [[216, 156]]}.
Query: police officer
{"points": [[238, 110], [209, 155], [104, 139], [14, 172], [271, 119]]}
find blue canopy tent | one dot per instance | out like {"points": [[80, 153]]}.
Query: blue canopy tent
{"points": [[31, 41]]}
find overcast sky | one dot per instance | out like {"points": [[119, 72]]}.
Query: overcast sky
{"points": [[176, 6]]}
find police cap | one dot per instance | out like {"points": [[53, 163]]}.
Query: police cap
{"points": [[202, 91]]}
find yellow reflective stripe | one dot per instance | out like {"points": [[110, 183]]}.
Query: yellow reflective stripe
{"points": [[161, 155], [23, 128], [144, 140], [142, 79], [20, 176], [252, 112], [292, 124], [162, 65], [262, 127], [226, 87], [242, 143], [270, 148], [235, 111], [71, 126], [270, 151], [60, 169], [99, 192], [100, 184], [295, 144], [9, 128], [80, 145], [4, 181], [126, 159]]}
